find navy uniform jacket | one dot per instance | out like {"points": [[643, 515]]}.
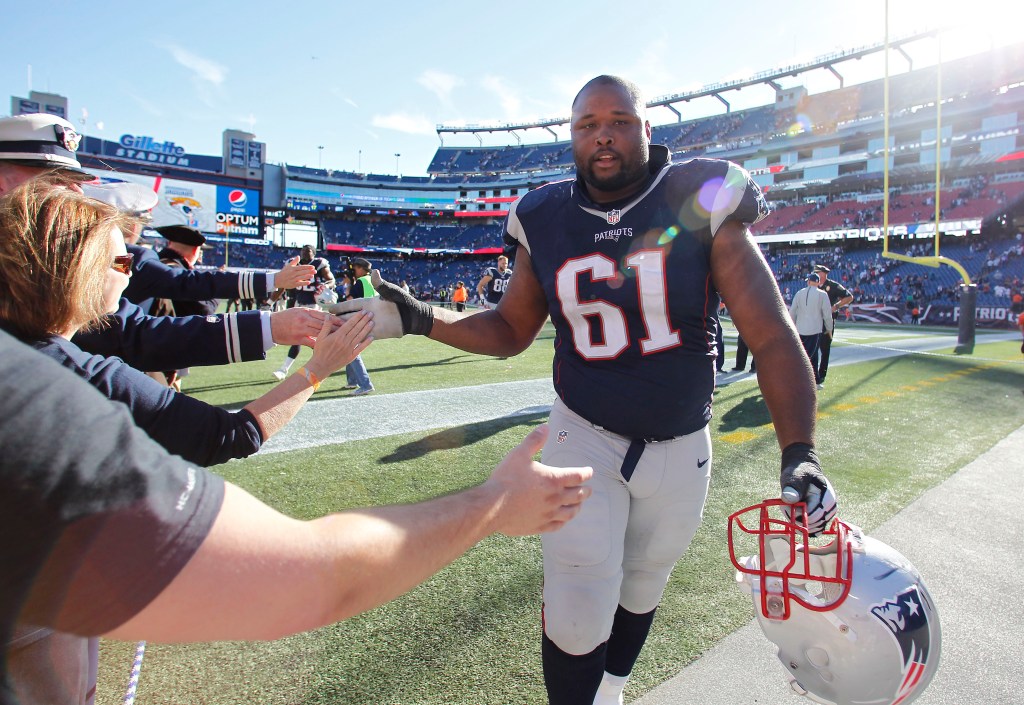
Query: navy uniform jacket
{"points": [[187, 307], [152, 279], [495, 288], [155, 343], [629, 291], [198, 432]]}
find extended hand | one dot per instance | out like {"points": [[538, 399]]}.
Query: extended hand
{"points": [[535, 498], [298, 326], [388, 322], [337, 346], [294, 274], [803, 481]]}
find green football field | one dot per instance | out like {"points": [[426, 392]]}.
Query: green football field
{"points": [[888, 430]]}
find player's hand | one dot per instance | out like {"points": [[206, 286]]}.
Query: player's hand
{"points": [[294, 274], [531, 497], [803, 481], [336, 346], [417, 316], [387, 320], [298, 326]]}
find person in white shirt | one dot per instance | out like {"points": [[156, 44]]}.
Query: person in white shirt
{"points": [[812, 313]]}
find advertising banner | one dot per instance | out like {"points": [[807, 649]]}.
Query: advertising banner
{"points": [[238, 211], [254, 152], [236, 155], [181, 202]]}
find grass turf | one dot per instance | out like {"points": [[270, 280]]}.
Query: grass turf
{"points": [[888, 430]]}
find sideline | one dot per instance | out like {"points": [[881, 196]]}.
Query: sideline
{"points": [[317, 423], [964, 536]]}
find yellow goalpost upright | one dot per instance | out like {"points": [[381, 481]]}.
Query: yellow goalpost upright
{"points": [[968, 291]]}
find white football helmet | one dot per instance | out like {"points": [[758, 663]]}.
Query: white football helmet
{"points": [[852, 618], [326, 296]]}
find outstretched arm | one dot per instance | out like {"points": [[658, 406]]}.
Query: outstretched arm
{"points": [[299, 575], [505, 331]]}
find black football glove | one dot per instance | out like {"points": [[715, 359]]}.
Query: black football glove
{"points": [[417, 316], [803, 481]]}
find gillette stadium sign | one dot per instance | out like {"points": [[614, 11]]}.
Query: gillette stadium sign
{"points": [[143, 149]]}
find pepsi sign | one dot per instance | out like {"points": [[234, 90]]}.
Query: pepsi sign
{"points": [[237, 201]]}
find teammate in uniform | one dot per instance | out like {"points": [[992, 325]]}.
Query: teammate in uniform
{"points": [[838, 296], [305, 296], [628, 260], [493, 283]]}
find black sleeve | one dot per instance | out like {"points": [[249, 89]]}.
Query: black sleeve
{"points": [[96, 519], [155, 279], [156, 343], [198, 432]]}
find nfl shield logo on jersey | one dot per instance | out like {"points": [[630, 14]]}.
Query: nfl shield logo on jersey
{"points": [[613, 216]]}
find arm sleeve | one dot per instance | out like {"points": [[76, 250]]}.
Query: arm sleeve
{"points": [[97, 520], [156, 279], [197, 431], [154, 343]]}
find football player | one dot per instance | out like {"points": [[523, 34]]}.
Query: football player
{"points": [[493, 283], [630, 260]]}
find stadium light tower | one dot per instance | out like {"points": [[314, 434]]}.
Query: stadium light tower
{"points": [[320, 156], [397, 156]]}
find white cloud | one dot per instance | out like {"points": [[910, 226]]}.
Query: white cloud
{"points": [[509, 100], [440, 84], [352, 102], [202, 69], [403, 122], [146, 105]]}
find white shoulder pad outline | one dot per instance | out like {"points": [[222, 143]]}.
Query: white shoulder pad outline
{"points": [[514, 227], [730, 195]]}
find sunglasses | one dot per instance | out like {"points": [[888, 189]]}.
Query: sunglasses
{"points": [[123, 263]]}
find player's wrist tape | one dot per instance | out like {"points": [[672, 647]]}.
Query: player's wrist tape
{"points": [[313, 380]]}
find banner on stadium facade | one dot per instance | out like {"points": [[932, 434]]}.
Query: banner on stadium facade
{"points": [[146, 150], [238, 211], [209, 208], [945, 313], [948, 313], [872, 233], [236, 153], [354, 249]]}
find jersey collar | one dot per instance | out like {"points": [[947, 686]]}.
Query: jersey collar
{"points": [[660, 160]]}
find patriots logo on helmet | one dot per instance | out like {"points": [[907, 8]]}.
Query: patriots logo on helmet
{"points": [[907, 619]]}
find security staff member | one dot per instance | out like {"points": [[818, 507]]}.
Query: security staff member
{"points": [[838, 296]]}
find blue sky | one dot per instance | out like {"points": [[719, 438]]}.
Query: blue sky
{"points": [[366, 81]]}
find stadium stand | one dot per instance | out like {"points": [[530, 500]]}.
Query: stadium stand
{"points": [[818, 157]]}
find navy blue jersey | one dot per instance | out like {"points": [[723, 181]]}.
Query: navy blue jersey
{"points": [[495, 288], [306, 295], [629, 291]]}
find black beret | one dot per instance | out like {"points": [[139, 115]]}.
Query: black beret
{"points": [[182, 233]]}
